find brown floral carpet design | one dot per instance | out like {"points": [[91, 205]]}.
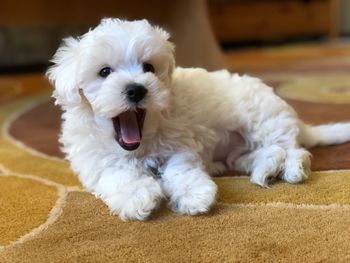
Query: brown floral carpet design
{"points": [[45, 215]]}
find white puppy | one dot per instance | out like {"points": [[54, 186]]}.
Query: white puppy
{"points": [[137, 130]]}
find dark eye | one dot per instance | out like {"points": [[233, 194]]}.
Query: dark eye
{"points": [[147, 67], [105, 72]]}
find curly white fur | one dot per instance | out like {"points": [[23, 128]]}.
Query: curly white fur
{"points": [[196, 123]]}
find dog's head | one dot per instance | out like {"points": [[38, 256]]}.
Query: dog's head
{"points": [[122, 68]]}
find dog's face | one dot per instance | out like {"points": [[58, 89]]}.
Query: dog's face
{"points": [[122, 68]]}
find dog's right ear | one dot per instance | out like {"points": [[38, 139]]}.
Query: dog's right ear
{"points": [[63, 74]]}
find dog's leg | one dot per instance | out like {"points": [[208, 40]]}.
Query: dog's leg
{"points": [[292, 164], [263, 164], [188, 186], [216, 168], [129, 191], [297, 165]]}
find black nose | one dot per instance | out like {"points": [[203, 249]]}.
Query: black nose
{"points": [[135, 92]]}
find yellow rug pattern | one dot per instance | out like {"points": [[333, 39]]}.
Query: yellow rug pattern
{"points": [[45, 215]]}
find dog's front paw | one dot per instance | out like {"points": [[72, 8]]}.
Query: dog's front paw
{"points": [[137, 200], [194, 199]]}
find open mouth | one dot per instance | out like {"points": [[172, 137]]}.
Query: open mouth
{"points": [[128, 128]]}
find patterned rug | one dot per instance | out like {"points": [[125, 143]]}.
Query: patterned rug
{"points": [[45, 215]]}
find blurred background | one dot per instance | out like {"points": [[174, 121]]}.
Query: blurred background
{"points": [[30, 31]]}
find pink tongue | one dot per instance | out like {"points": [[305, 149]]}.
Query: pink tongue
{"points": [[129, 127]]}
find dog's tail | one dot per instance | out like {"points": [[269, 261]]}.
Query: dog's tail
{"points": [[322, 135]]}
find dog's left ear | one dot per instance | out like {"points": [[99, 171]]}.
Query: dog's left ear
{"points": [[63, 74], [169, 49]]}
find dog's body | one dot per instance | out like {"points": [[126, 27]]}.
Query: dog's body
{"points": [[174, 126]]}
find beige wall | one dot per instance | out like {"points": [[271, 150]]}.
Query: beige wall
{"points": [[344, 12]]}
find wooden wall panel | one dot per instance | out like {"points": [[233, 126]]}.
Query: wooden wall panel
{"points": [[56, 12], [268, 19]]}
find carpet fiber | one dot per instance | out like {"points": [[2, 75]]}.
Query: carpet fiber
{"points": [[45, 215]]}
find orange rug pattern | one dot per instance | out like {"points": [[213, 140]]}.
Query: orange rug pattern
{"points": [[46, 216]]}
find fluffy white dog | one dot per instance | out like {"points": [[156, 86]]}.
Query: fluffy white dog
{"points": [[137, 130]]}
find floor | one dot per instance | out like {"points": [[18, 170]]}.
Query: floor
{"points": [[46, 212]]}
